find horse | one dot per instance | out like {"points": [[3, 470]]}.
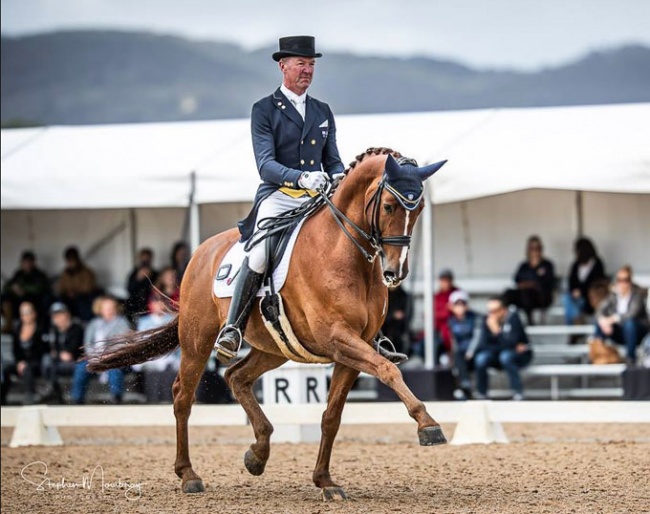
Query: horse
{"points": [[345, 258]]}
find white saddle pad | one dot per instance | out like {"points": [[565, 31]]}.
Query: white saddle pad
{"points": [[226, 277]]}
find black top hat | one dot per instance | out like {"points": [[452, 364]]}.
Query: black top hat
{"points": [[299, 46]]}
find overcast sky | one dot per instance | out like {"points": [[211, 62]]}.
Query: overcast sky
{"points": [[486, 33]]}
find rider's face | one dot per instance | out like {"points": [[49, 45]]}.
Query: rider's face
{"points": [[298, 73]]}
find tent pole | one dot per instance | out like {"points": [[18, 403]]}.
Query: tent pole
{"points": [[133, 233], [195, 234], [580, 213], [427, 261]]}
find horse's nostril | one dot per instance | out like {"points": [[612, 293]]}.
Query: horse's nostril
{"points": [[389, 275]]}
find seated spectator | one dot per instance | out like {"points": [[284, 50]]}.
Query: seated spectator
{"points": [[29, 283], [622, 316], [167, 285], [66, 340], [180, 256], [502, 344], [77, 286], [534, 279], [464, 327], [441, 306], [29, 347], [109, 324], [140, 284], [586, 270], [396, 324]]}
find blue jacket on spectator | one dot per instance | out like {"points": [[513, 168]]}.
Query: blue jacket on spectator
{"points": [[462, 330], [512, 334]]}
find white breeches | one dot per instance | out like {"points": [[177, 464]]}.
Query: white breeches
{"points": [[275, 204]]}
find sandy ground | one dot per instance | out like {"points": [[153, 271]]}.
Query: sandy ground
{"points": [[549, 468]]}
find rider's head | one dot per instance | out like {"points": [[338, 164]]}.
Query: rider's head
{"points": [[297, 59]]}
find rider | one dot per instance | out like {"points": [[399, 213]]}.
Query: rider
{"points": [[294, 141]]}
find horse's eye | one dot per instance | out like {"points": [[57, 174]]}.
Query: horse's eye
{"points": [[388, 208]]}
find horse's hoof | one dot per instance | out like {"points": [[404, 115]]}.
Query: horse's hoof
{"points": [[194, 486], [254, 465], [431, 436], [333, 494]]}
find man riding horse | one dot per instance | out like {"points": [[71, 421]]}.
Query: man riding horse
{"points": [[294, 141]]}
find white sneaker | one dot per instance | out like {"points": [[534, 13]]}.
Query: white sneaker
{"points": [[517, 397]]}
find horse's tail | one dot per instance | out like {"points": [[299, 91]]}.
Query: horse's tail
{"points": [[136, 347]]}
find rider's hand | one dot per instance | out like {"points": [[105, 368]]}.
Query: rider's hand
{"points": [[337, 176], [313, 180]]}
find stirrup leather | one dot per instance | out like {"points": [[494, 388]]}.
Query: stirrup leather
{"points": [[228, 353]]}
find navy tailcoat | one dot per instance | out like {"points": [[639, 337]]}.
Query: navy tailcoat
{"points": [[285, 146]]}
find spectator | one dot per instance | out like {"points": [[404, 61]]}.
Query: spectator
{"points": [[66, 347], [464, 327], [622, 316], [159, 316], [441, 306], [396, 324], [167, 285], [534, 279], [29, 283], [29, 347], [502, 344], [586, 270], [109, 324], [140, 284], [179, 258], [77, 286]]}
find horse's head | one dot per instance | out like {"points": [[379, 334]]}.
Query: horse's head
{"points": [[393, 207]]}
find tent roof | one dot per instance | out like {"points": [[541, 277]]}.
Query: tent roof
{"points": [[595, 148]]}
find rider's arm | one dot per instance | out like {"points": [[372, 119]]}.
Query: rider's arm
{"points": [[263, 146], [332, 163]]}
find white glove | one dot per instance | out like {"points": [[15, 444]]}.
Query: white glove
{"points": [[313, 180], [337, 176]]}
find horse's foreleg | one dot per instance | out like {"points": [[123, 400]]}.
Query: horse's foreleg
{"points": [[355, 353], [342, 380], [240, 378], [183, 390]]}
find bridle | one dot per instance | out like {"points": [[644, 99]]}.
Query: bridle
{"points": [[374, 237]]}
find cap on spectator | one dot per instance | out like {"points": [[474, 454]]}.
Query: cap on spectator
{"points": [[28, 255], [446, 273], [58, 307], [459, 296]]}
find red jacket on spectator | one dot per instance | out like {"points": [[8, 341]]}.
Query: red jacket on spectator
{"points": [[441, 315]]}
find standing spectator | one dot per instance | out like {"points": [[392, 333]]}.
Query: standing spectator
{"points": [[623, 316], [110, 323], [77, 286], [586, 270], [167, 285], [29, 283], [140, 284], [441, 306], [503, 344], [179, 258], [464, 327], [66, 347], [534, 279], [29, 347]]}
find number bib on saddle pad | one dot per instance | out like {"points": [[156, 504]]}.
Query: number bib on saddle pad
{"points": [[226, 277]]}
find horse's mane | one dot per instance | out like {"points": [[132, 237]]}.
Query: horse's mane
{"points": [[373, 151]]}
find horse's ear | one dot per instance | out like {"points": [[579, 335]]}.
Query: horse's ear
{"points": [[426, 171], [393, 170]]}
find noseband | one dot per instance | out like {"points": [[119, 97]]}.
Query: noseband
{"points": [[375, 237]]}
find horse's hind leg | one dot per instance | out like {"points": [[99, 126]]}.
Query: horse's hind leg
{"points": [[240, 378], [342, 380], [183, 390]]}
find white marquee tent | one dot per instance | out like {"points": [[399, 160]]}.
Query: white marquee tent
{"points": [[511, 172]]}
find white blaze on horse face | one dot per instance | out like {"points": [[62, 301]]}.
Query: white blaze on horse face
{"points": [[405, 249]]}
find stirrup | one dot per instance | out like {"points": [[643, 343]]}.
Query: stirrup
{"points": [[389, 353], [225, 354]]}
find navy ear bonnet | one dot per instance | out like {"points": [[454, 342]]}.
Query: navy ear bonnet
{"points": [[405, 180]]}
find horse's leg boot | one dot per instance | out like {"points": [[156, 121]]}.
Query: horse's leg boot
{"points": [[230, 338], [391, 355]]}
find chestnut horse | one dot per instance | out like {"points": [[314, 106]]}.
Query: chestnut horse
{"points": [[335, 298]]}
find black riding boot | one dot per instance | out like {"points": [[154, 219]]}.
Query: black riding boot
{"points": [[230, 338], [392, 355]]}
